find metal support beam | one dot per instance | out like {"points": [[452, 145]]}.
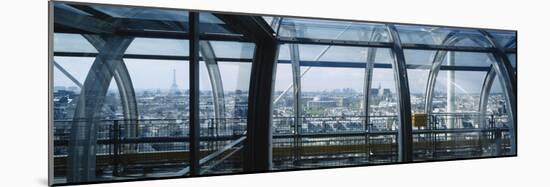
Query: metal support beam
{"points": [[125, 88], [215, 81], [297, 92], [194, 94], [405, 146], [258, 143], [257, 150], [81, 154], [485, 92], [66, 73], [444, 47], [297, 40], [450, 40], [505, 71], [367, 84], [369, 67], [82, 23]]}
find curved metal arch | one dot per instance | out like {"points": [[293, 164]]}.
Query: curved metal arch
{"points": [[451, 39], [369, 66], [216, 82], [81, 154], [405, 150], [107, 65], [503, 68], [297, 77], [297, 92], [485, 92], [124, 85]]}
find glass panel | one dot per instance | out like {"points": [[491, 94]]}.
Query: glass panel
{"points": [[319, 55], [425, 58], [139, 13], [283, 117], [72, 43], [209, 23], [77, 67], [418, 79], [283, 99], [269, 20], [224, 105], [498, 111], [145, 19], [383, 113], [472, 59], [383, 96], [410, 34], [224, 49], [155, 46], [171, 85], [419, 57], [506, 39], [513, 60], [333, 30], [455, 128], [334, 53], [332, 102], [457, 92]]}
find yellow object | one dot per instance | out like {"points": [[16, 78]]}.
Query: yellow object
{"points": [[420, 120]]}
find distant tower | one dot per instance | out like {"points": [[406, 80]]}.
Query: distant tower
{"points": [[174, 90]]}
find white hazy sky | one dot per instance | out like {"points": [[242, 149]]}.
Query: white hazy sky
{"points": [[157, 74]]}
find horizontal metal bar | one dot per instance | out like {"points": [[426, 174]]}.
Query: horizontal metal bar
{"points": [[510, 50], [161, 34], [149, 57], [221, 151], [465, 68], [336, 64], [282, 136], [447, 48], [333, 42], [333, 64]]}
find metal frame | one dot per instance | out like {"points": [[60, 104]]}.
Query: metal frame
{"points": [[216, 82], [485, 92], [258, 142], [107, 65], [81, 151], [294, 51], [194, 94], [257, 150]]}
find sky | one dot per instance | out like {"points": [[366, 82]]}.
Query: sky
{"points": [[158, 74]]}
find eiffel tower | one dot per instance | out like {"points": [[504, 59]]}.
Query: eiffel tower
{"points": [[174, 90]]}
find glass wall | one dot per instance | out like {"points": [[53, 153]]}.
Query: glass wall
{"points": [[123, 97], [450, 91], [120, 100], [324, 91]]}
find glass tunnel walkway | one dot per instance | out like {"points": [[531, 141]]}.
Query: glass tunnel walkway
{"points": [[147, 93]]}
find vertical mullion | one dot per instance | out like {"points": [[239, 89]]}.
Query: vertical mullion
{"points": [[194, 124]]}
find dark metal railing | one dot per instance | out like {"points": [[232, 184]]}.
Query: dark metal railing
{"points": [[162, 144]]}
